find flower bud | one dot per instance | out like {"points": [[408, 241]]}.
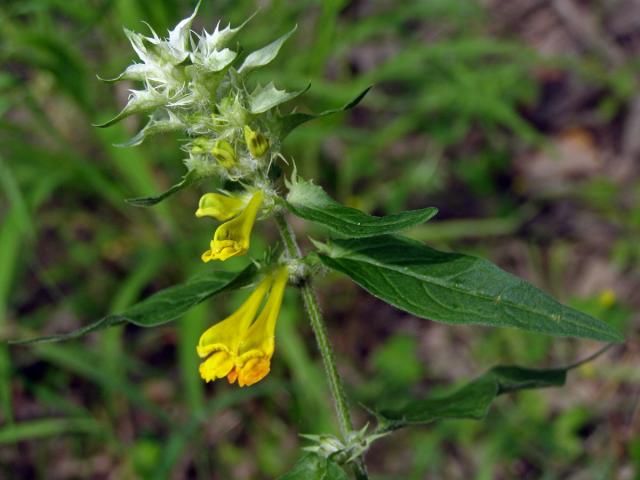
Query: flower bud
{"points": [[224, 153], [200, 145], [257, 143]]}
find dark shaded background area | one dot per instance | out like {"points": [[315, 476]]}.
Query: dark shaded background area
{"points": [[519, 119]]}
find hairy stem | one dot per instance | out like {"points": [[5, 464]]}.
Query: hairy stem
{"points": [[322, 338]]}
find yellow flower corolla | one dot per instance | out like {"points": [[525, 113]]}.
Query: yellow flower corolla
{"points": [[239, 347], [233, 236], [221, 207], [257, 143]]}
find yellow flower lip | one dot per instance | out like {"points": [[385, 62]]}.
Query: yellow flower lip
{"points": [[254, 370], [233, 237], [216, 366], [239, 347]]}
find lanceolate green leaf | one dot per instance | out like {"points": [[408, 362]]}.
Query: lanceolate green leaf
{"points": [[311, 202], [290, 122], [188, 179], [315, 467], [455, 288], [164, 306], [471, 401], [267, 97], [140, 101], [265, 55], [161, 122]]}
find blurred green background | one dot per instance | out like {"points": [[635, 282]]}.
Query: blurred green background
{"points": [[520, 120]]}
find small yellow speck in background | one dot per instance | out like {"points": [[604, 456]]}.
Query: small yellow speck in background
{"points": [[587, 370], [607, 298]]}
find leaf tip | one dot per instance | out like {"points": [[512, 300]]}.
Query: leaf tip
{"points": [[616, 336], [109, 80], [359, 98], [108, 123]]}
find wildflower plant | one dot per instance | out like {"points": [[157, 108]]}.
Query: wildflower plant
{"points": [[200, 85]]}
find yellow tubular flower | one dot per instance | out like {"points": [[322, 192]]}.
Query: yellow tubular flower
{"points": [[221, 207], [238, 349], [233, 237], [256, 349], [220, 343]]}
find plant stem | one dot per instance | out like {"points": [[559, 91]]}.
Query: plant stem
{"points": [[335, 383], [322, 338]]}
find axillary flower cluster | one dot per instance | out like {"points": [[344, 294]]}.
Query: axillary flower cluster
{"points": [[192, 83]]}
